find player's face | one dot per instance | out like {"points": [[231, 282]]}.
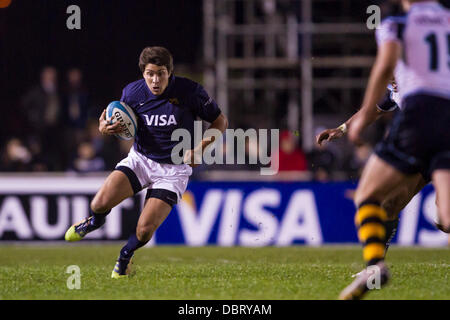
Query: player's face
{"points": [[157, 78]]}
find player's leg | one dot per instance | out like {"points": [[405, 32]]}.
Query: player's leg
{"points": [[114, 190], [156, 209], [397, 201], [441, 182], [378, 180], [154, 213]]}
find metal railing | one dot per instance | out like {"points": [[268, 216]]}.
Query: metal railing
{"points": [[288, 40]]}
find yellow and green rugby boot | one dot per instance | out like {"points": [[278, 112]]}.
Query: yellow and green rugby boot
{"points": [[77, 231], [122, 269]]}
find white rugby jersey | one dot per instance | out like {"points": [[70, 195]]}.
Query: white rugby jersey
{"points": [[424, 33]]}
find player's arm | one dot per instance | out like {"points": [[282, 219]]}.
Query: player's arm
{"points": [[221, 124], [207, 109], [339, 132], [382, 72], [193, 157], [386, 105]]}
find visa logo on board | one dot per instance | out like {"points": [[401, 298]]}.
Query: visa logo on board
{"points": [[227, 209], [300, 220]]}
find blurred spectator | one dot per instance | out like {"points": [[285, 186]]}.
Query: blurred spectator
{"points": [[390, 8], [75, 110], [87, 160], [42, 103], [291, 157], [111, 149], [76, 103], [322, 163], [39, 162], [93, 135], [42, 106], [15, 156]]}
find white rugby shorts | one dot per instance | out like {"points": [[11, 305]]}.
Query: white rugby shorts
{"points": [[155, 175]]}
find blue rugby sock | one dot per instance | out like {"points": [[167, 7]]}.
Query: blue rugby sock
{"points": [[132, 245], [99, 218]]}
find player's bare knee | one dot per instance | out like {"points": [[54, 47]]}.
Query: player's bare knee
{"points": [[143, 237], [145, 232], [100, 204]]}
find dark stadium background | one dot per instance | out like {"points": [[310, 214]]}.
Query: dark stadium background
{"points": [[33, 34]]}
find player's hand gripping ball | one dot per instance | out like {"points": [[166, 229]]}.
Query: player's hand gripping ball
{"points": [[119, 111]]}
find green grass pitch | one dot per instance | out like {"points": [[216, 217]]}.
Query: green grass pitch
{"points": [[197, 273]]}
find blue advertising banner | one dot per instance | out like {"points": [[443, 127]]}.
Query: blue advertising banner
{"points": [[211, 213], [261, 214]]}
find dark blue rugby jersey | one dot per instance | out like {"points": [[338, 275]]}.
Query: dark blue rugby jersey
{"points": [[158, 116]]}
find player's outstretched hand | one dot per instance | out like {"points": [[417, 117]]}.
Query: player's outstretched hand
{"points": [[106, 128], [329, 135]]}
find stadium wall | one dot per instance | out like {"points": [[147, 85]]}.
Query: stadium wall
{"points": [[211, 213]]}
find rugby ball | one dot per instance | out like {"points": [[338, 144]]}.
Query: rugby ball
{"points": [[125, 115]]}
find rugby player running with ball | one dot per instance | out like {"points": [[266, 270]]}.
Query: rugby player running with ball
{"points": [[159, 95]]}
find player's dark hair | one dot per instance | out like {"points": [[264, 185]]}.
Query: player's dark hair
{"points": [[159, 56]]}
